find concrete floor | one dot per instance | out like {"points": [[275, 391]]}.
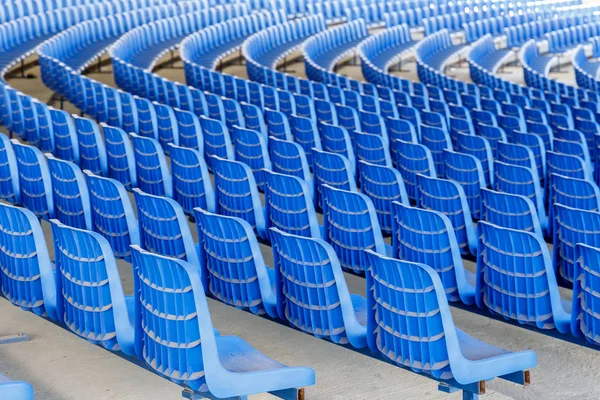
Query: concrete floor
{"points": [[61, 366]]}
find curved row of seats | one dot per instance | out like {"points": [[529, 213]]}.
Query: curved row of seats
{"points": [[569, 37], [586, 71]]}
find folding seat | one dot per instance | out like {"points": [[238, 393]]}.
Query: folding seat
{"points": [[34, 180], [152, 173], [27, 275], [413, 159], [522, 181], [448, 197], [424, 314], [306, 134], [237, 194], [313, 271], [531, 296], [480, 148], [333, 170], [427, 237], [567, 165], [217, 141], [9, 173], [250, 147], [119, 156], [510, 211], [466, 170]]}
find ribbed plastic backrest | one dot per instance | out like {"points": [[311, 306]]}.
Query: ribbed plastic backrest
{"points": [[351, 226], [34, 180], [509, 211], [189, 130], [217, 141], [146, 117], [92, 302], [66, 146], [516, 154], [306, 134], [251, 148], [289, 206], [567, 165], [112, 215], [572, 192], [449, 198], [233, 263], [414, 159], [120, 157], [309, 285], [26, 272], [165, 308], [44, 126], [336, 139], [467, 171], [69, 193], [333, 170], [522, 181], [191, 181], [585, 309], [92, 152], [153, 175], [572, 226], [437, 140], [479, 148], [382, 185], [373, 149], [9, 174], [515, 277], [288, 158], [163, 227], [411, 333], [278, 125], [236, 193], [427, 237]]}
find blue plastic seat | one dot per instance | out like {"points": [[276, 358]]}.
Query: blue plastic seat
{"points": [[510, 211], [92, 303], [437, 140], [66, 145], [15, 390], [517, 154], [306, 134], [289, 158], [418, 332], [351, 226], [584, 317], [9, 174], [382, 185], [567, 165], [26, 274], [515, 278], [250, 147], [572, 226], [572, 192], [448, 197], [69, 193], [480, 148], [231, 259], [226, 365], [278, 125], [189, 130], [413, 159], [289, 205], [466, 170], [217, 141], [92, 152], [34, 180], [493, 135], [427, 236], [373, 149], [334, 170], [336, 139], [153, 175], [120, 157], [237, 195], [112, 214], [312, 294], [536, 145]]}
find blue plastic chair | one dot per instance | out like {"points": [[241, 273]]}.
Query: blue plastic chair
{"points": [[26, 274], [312, 294], [119, 156], [225, 365], [231, 259], [9, 173], [373, 149], [419, 332], [92, 152], [15, 390], [237, 195], [510, 211], [336, 139], [288, 158], [250, 147], [427, 236], [192, 186], [306, 134], [66, 145], [153, 175], [572, 226], [480, 148], [69, 194], [112, 214], [515, 278], [92, 304], [567, 165], [334, 170], [189, 130], [289, 205], [278, 125], [382, 185], [467, 171], [436, 140], [34, 180], [413, 159], [217, 141], [572, 192], [584, 317], [448, 197]]}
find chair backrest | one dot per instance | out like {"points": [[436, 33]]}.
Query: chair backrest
{"points": [[572, 226], [478, 147], [289, 205], [467, 171], [382, 185], [373, 149], [119, 156], [414, 159], [192, 186], [321, 304], [250, 147], [567, 165], [419, 326], [448, 197], [236, 193], [231, 259], [351, 226], [9, 172], [289, 158], [331, 169], [153, 175], [531, 294], [426, 236], [217, 141], [510, 211], [26, 273], [92, 303], [584, 318], [92, 152], [34, 180], [69, 193], [163, 227], [112, 214], [572, 192]]}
